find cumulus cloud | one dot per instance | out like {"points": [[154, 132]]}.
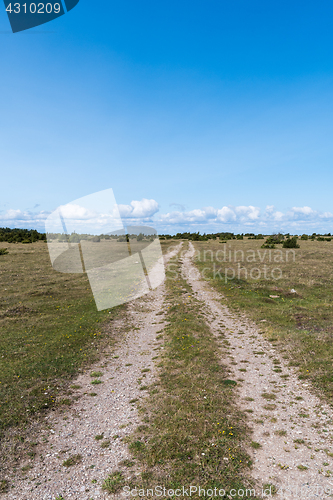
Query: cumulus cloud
{"points": [[25, 217], [301, 212], [14, 214], [81, 218], [242, 218], [226, 214], [211, 214], [76, 212], [250, 218], [139, 209], [326, 215], [247, 213]]}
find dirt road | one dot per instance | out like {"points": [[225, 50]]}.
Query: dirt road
{"points": [[292, 428]]}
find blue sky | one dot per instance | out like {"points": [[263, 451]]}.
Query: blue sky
{"points": [[208, 115]]}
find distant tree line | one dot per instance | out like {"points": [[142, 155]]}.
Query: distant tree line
{"points": [[210, 236], [76, 238], [274, 239], [32, 235], [20, 235]]}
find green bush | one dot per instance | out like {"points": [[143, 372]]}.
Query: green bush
{"points": [[291, 243], [268, 245], [3, 251], [74, 238]]}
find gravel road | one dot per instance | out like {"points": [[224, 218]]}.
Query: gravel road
{"points": [[292, 426], [281, 408]]}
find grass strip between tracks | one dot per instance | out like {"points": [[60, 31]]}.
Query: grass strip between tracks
{"points": [[193, 433]]}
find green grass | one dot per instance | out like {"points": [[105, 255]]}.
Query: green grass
{"points": [[268, 397], [50, 328], [74, 460], [105, 444], [270, 407], [3, 486], [299, 324], [97, 381], [302, 467], [193, 432], [114, 482], [280, 433]]}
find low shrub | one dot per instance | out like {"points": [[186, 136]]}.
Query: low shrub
{"points": [[291, 243]]}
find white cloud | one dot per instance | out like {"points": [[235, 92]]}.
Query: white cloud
{"points": [[196, 215], [13, 214], [326, 215], [277, 215], [18, 216], [226, 214], [249, 212], [139, 209], [246, 218], [76, 212], [303, 210], [210, 214], [240, 218]]}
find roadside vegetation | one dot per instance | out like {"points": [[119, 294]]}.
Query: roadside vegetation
{"points": [[50, 328], [286, 291], [193, 433]]}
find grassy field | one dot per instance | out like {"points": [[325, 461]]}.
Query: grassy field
{"points": [[193, 433], [50, 329], [300, 323]]}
